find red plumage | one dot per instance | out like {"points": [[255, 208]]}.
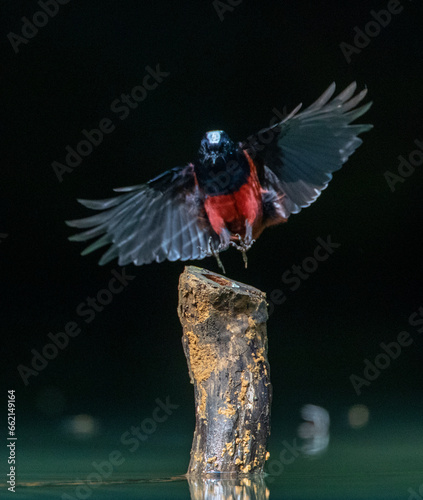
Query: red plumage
{"points": [[231, 192], [234, 210]]}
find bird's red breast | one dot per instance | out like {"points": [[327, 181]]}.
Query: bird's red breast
{"points": [[234, 209], [192, 212]]}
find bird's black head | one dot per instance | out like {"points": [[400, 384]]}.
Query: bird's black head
{"points": [[220, 167], [215, 145]]}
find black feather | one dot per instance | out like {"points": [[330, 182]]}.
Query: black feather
{"points": [[162, 219]]}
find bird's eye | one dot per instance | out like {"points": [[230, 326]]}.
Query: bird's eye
{"points": [[213, 137]]}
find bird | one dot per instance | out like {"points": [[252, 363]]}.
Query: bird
{"points": [[231, 191]]}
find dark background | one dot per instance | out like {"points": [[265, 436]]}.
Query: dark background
{"points": [[229, 75]]}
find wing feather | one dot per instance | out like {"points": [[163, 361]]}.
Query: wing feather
{"points": [[163, 219], [309, 146]]}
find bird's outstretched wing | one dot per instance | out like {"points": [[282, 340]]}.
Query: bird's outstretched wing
{"points": [[162, 219], [299, 154]]}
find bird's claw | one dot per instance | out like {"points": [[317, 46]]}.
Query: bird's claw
{"points": [[219, 262], [215, 251], [243, 246]]}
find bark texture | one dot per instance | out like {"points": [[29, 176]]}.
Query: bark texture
{"points": [[225, 343]]}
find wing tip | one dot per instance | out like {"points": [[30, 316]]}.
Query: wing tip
{"points": [[82, 201]]}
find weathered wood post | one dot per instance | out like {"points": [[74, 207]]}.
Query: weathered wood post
{"points": [[225, 343]]}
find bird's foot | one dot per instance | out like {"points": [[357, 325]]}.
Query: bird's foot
{"points": [[215, 251], [243, 246]]}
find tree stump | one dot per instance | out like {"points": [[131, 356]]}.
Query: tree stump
{"points": [[225, 343]]}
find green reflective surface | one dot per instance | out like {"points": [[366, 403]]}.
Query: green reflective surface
{"points": [[383, 460]]}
